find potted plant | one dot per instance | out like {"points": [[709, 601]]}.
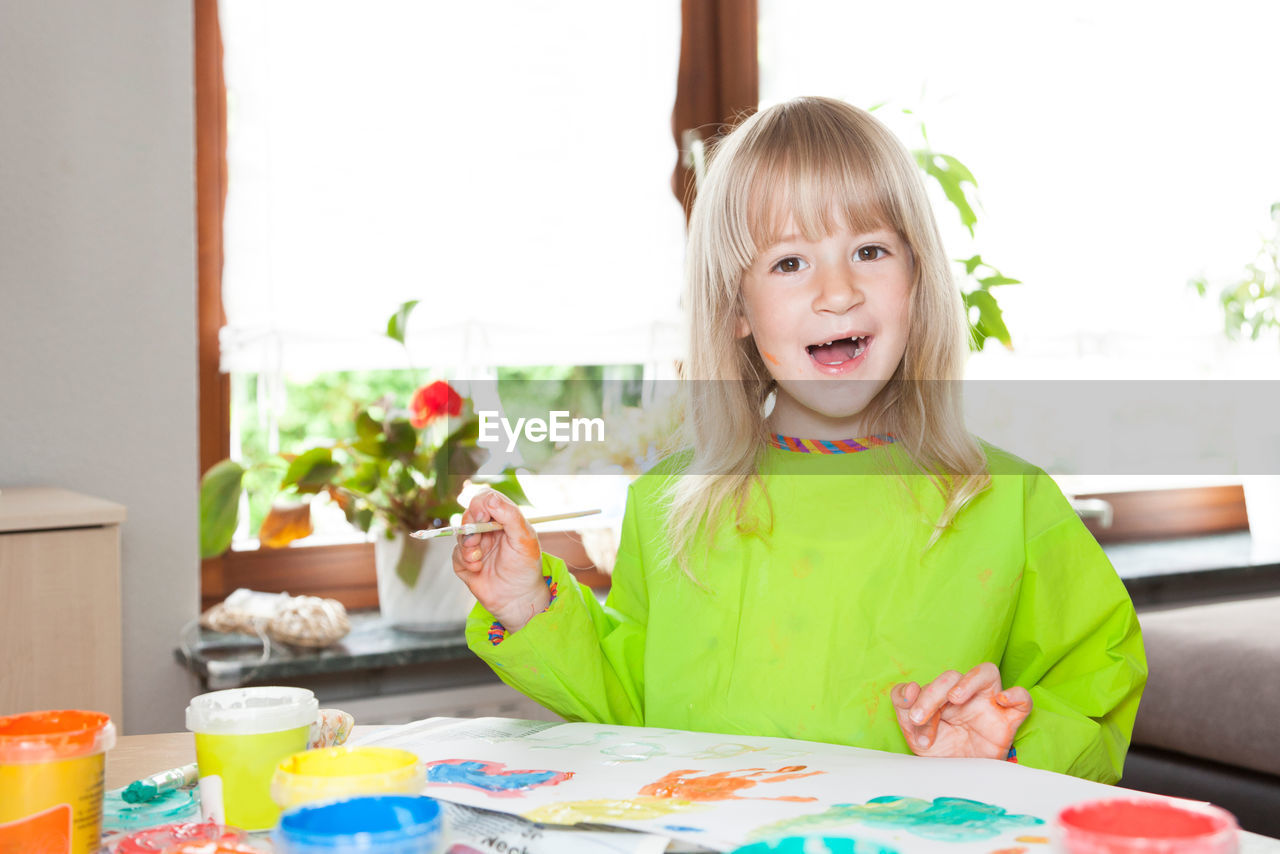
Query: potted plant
{"points": [[1251, 309], [400, 469]]}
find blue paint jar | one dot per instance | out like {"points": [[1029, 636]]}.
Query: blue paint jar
{"points": [[383, 824]]}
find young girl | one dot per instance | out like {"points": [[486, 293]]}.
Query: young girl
{"points": [[849, 565]]}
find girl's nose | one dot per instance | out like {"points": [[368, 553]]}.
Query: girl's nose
{"points": [[838, 291]]}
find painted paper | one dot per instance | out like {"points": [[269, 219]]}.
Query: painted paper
{"points": [[723, 791]]}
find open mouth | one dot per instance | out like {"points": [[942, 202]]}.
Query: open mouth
{"points": [[840, 351]]}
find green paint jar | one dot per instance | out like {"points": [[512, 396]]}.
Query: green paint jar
{"points": [[241, 735]]}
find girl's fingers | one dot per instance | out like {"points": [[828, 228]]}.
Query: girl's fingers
{"points": [[927, 737], [904, 694], [980, 678], [933, 697], [1017, 698], [461, 564], [514, 526]]}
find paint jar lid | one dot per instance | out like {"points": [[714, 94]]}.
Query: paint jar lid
{"points": [[163, 838], [54, 735], [341, 772], [1147, 825], [382, 824], [247, 711]]}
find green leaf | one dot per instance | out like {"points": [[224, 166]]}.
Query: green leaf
{"points": [[367, 427], [466, 433], [404, 481], [311, 471], [409, 566], [220, 492], [951, 176], [990, 318], [364, 480], [997, 280], [368, 446], [401, 439], [398, 321], [971, 264], [453, 464]]}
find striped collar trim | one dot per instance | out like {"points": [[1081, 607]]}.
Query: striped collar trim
{"points": [[829, 446]]}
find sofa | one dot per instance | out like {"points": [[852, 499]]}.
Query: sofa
{"points": [[1208, 727]]}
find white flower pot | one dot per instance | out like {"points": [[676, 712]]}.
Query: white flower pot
{"points": [[437, 601]]}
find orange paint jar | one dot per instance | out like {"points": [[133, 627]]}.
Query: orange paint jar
{"points": [[51, 771]]}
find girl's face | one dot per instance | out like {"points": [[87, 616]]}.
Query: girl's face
{"points": [[829, 318]]}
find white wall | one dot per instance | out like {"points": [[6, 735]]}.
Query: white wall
{"points": [[97, 297]]}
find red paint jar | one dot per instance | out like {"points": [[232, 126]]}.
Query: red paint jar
{"points": [[1146, 826]]}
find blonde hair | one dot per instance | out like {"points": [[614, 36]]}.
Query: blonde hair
{"points": [[825, 163]]}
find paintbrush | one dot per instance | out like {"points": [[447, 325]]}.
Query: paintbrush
{"points": [[483, 527]]}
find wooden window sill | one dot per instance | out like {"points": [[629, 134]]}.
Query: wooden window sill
{"points": [[346, 572], [1168, 513]]}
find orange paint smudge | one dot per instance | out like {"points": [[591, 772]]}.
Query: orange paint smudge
{"points": [[770, 357], [802, 568], [984, 576], [1017, 849], [1039, 840]]}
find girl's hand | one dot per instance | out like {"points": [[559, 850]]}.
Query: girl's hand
{"points": [[958, 715], [503, 568]]}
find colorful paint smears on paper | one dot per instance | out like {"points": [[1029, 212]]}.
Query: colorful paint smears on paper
{"points": [[942, 819], [493, 778], [724, 785], [725, 750], [632, 751], [605, 809], [815, 845]]}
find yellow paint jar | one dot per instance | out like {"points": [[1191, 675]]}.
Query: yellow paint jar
{"points": [[240, 735], [339, 772], [51, 770]]}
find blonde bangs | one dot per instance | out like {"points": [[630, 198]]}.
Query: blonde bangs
{"points": [[799, 165]]}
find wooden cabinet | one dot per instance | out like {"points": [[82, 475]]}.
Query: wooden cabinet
{"points": [[60, 617]]}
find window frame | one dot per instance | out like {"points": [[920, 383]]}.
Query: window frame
{"points": [[717, 82]]}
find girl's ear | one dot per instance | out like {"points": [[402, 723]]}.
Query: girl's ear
{"points": [[743, 327]]}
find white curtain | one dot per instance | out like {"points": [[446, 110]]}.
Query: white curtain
{"points": [[507, 163]]}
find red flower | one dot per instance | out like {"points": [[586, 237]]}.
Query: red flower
{"points": [[433, 400]]}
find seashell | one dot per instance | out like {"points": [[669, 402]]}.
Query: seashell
{"points": [[309, 621]]}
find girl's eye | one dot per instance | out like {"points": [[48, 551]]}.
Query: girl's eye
{"points": [[790, 264], [871, 253]]}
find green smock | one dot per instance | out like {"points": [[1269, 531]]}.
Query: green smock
{"points": [[802, 632]]}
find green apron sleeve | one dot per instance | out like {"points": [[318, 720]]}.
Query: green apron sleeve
{"points": [[1074, 644], [582, 660]]}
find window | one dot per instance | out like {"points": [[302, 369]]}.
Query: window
{"points": [[382, 152]]}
